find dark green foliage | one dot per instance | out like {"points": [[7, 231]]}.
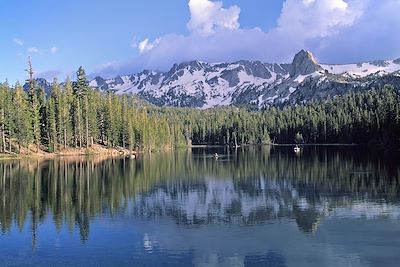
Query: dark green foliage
{"points": [[76, 115], [34, 106], [21, 122], [370, 117]]}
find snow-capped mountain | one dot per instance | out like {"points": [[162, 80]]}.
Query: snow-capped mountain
{"points": [[252, 83]]}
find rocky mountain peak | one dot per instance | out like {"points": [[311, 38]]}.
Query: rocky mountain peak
{"points": [[249, 83], [192, 66], [304, 63]]}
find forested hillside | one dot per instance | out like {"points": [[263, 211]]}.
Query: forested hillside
{"points": [[75, 115]]}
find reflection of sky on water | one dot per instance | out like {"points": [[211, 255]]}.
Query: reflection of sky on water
{"points": [[163, 242], [223, 225], [335, 242], [257, 209], [223, 200]]}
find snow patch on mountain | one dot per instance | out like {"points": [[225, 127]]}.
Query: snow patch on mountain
{"points": [[251, 83], [364, 69]]}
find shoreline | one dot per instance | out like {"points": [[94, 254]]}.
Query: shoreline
{"points": [[95, 150], [98, 150], [336, 144], [275, 144]]}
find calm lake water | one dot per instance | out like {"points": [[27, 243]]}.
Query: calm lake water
{"points": [[254, 206]]}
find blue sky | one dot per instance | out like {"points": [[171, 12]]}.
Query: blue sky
{"points": [[127, 36]]}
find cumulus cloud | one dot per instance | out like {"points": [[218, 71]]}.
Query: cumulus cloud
{"points": [[175, 48], [33, 50], [146, 45], [206, 17], [337, 31], [317, 18], [18, 41], [309, 23], [53, 50], [375, 35]]}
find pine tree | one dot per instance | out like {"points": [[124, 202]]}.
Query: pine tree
{"points": [[125, 127], [9, 126], [76, 114], [66, 102], [22, 117], [92, 114], [51, 124], [81, 90], [41, 97], [54, 116], [33, 105], [3, 98]]}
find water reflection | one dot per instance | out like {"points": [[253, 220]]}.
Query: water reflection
{"points": [[246, 188]]}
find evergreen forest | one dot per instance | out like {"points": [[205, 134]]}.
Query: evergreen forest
{"points": [[75, 115]]}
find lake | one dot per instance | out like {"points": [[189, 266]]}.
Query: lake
{"points": [[252, 206]]}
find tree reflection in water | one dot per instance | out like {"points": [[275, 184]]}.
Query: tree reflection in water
{"points": [[246, 186]]}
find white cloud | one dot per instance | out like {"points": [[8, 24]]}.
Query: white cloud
{"points": [[308, 23], [33, 50], [317, 18], [337, 31], [53, 50], [146, 45], [374, 35], [216, 35], [20, 54], [18, 41], [206, 17]]}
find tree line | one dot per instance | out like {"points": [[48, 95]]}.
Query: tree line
{"points": [[75, 115], [367, 117]]}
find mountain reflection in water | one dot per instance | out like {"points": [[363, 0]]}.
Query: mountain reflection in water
{"points": [[246, 189]]}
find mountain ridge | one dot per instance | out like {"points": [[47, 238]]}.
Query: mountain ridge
{"points": [[251, 83]]}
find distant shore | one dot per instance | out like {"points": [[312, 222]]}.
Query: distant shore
{"points": [[119, 151], [274, 144], [336, 144]]}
